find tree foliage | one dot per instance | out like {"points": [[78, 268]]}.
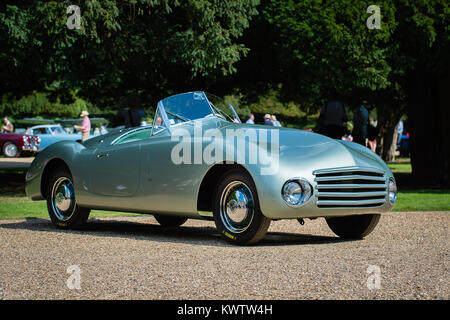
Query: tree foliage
{"points": [[150, 47]]}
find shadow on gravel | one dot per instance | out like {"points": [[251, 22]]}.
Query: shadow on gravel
{"points": [[153, 232]]}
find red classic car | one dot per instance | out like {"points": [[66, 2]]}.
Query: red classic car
{"points": [[13, 144]]}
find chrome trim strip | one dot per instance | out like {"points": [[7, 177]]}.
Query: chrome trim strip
{"points": [[351, 186], [354, 177], [348, 169], [352, 194], [350, 202]]}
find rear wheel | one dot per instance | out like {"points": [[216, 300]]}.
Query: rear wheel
{"points": [[353, 227], [10, 150], [237, 214], [61, 202], [170, 221]]}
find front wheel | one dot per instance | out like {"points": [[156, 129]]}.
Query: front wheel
{"points": [[237, 214], [353, 227], [61, 202]]}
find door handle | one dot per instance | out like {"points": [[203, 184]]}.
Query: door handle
{"points": [[103, 155]]}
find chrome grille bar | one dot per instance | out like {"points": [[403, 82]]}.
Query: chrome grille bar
{"points": [[354, 194], [355, 177], [351, 187], [349, 202]]}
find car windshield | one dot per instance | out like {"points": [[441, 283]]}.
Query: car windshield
{"points": [[56, 130], [187, 106], [197, 105]]}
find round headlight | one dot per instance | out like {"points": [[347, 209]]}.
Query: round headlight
{"points": [[392, 191], [296, 192], [292, 193]]}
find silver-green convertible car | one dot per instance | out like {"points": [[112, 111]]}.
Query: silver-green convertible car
{"points": [[198, 161]]}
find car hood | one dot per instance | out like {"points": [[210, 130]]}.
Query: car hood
{"points": [[314, 151], [287, 137]]}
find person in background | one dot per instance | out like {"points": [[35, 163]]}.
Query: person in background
{"points": [[400, 130], [85, 126], [333, 119], [158, 121], [251, 119], [135, 110], [103, 130], [360, 121], [267, 120], [275, 122], [7, 127], [372, 134], [404, 144]]}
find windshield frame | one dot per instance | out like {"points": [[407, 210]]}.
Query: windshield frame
{"points": [[165, 118], [214, 110]]}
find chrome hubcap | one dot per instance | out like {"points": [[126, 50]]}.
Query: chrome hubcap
{"points": [[236, 206], [11, 150], [63, 199]]}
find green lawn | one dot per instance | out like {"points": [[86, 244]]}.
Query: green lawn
{"points": [[397, 168], [423, 200], [23, 207]]}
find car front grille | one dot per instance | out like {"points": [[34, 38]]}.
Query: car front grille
{"points": [[351, 187]]}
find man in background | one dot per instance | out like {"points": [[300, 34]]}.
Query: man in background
{"points": [[7, 127], [251, 119], [333, 119], [85, 126], [360, 121], [268, 120]]}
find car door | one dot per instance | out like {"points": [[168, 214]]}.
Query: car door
{"points": [[115, 169]]}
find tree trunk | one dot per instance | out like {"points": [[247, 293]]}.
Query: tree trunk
{"points": [[388, 119], [428, 97]]}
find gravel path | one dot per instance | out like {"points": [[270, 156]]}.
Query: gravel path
{"points": [[134, 258]]}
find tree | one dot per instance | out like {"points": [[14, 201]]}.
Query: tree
{"points": [[403, 66], [148, 47], [422, 42]]}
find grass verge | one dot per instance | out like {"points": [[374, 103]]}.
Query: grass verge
{"points": [[23, 207]]}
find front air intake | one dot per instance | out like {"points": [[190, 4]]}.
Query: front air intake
{"points": [[350, 187]]}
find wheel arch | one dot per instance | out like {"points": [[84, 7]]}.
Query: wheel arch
{"points": [[210, 180], [6, 141], [49, 168]]}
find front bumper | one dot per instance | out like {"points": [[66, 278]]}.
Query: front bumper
{"points": [[31, 148]]}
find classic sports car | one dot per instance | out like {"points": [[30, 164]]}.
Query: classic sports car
{"points": [[51, 133], [13, 144], [197, 162]]}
